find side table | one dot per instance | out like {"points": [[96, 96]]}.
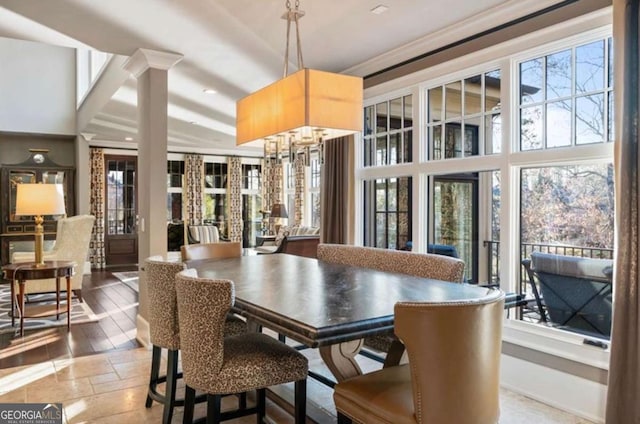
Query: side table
{"points": [[21, 272]]}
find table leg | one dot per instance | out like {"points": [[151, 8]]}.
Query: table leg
{"points": [[68, 302], [57, 297], [21, 305], [13, 303], [396, 355], [340, 359]]}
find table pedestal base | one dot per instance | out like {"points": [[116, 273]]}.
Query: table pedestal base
{"points": [[340, 358]]}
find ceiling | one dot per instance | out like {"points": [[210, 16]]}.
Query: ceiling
{"points": [[234, 47]]}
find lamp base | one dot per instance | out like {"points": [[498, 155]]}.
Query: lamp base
{"points": [[39, 242]]}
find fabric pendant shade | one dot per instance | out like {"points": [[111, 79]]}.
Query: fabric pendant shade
{"points": [[302, 102]]}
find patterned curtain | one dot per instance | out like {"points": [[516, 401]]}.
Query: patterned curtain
{"points": [[194, 180], [271, 188], [299, 193], [96, 208], [235, 199]]}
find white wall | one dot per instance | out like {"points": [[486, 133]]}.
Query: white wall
{"points": [[37, 88]]}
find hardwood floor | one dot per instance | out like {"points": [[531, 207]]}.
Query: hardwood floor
{"points": [[116, 306]]}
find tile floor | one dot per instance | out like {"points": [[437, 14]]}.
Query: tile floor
{"points": [[111, 388]]}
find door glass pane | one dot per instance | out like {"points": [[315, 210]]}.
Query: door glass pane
{"points": [[453, 217], [121, 196]]}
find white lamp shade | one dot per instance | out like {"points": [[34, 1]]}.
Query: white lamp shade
{"points": [[39, 199]]}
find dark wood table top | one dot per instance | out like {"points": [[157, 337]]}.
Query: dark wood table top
{"points": [[29, 270], [319, 303]]}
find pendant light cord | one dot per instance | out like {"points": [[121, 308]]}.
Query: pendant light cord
{"points": [[293, 15]]}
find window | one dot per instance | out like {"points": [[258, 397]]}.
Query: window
{"points": [[388, 132], [556, 165], [175, 181], [251, 203], [289, 189], [566, 97], [463, 117], [388, 204], [216, 209], [314, 192], [568, 210], [251, 175]]}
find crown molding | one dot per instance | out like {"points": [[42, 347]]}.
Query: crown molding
{"points": [[466, 28], [144, 59]]}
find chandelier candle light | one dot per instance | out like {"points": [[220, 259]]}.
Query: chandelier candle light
{"points": [[299, 111], [37, 200]]}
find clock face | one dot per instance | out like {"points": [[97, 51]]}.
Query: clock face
{"points": [[38, 158]]}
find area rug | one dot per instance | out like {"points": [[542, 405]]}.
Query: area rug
{"points": [[80, 313], [129, 279]]}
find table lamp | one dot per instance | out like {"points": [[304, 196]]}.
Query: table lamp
{"points": [[37, 200], [278, 210]]}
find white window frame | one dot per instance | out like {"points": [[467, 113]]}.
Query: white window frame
{"points": [[509, 161]]}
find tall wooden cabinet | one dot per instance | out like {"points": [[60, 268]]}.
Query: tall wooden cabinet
{"points": [[37, 169]]}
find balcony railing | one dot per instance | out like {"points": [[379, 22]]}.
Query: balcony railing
{"points": [[493, 257]]}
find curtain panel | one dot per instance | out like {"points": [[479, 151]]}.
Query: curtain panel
{"points": [[194, 181], [235, 199], [623, 405], [96, 208], [334, 191], [298, 213]]}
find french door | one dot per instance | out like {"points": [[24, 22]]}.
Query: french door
{"points": [[121, 236]]}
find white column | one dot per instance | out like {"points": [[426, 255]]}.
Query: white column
{"points": [[151, 68]]}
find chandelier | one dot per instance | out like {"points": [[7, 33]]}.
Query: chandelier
{"points": [[294, 115]]}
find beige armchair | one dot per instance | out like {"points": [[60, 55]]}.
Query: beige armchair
{"points": [[72, 244]]}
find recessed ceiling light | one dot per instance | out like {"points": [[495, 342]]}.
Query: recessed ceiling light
{"points": [[209, 91], [128, 138], [380, 9], [193, 122]]}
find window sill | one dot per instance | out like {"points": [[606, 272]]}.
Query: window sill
{"points": [[556, 342]]}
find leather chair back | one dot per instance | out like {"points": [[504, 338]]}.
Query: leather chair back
{"points": [[454, 357], [220, 250], [163, 308], [424, 265]]}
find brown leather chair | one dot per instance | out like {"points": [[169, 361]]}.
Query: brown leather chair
{"points": [[219, 250], [164, 331], [424, 265], [453, 371], [219, 365]]}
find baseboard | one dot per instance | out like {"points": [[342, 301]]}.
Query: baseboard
{"points": [[142, 332]]}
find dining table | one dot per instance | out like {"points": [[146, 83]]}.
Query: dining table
{"points": [[325, 305]]}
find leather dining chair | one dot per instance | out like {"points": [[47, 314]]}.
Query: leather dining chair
{"points": [[426, 265], [219, 250], [164, 332], [219, 366], [453, 371]]}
